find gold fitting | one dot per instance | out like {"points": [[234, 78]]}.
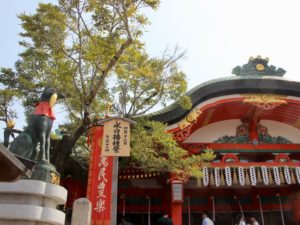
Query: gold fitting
{"points": [[10, 124]]}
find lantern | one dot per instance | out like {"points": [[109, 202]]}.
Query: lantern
{"points": [[177, 190]]}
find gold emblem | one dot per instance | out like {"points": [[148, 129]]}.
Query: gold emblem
{"points": [[265, 101], [191, 117], [183, 124], [10, 124], [260, 67], [54, 178]]}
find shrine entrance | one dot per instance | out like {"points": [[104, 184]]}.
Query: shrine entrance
{"points": [[255, 135]]}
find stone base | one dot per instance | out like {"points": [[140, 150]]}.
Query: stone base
{"points": [[31, 202], [45, 171], [16, 222]]}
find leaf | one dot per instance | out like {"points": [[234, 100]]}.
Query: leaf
{"points": [[154, 149]]}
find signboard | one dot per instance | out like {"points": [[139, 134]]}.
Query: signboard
{"points": [[99, 190], [116, 138]]}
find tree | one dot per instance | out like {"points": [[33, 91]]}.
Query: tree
{"points": [[7, 95], [74, 46], [154, 149], [80, 47], [143, 82], [6, 100]]}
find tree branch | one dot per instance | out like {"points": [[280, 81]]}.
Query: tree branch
{"points": [[80, 55], [105, 72], [150, 107]]}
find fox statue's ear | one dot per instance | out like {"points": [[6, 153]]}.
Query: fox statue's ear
{"points": [[53, 100]]}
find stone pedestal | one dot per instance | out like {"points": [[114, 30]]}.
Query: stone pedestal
{"points": [[45, 171], [31, 202]]}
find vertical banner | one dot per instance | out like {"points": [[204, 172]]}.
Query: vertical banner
{"points": [[99, 190]]}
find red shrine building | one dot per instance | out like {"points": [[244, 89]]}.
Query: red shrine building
{"points": [[251, 120]]}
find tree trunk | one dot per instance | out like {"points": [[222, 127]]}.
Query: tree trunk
{"points": [[62, 149]]}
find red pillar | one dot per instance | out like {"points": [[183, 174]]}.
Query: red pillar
{"points": [[296, 209], [176, 213], [253, 131], [176, 200]]}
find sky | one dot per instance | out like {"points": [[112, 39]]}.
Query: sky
{"points": [[219, 35], [216, 35]]}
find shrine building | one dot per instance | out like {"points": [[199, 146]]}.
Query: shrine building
{"points": [[251, 120]]}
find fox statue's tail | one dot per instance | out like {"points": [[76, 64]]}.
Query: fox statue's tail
{"points": [[23, 146]]}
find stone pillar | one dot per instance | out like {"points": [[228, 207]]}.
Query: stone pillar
{"points": [[31, 202], [82, 209]]}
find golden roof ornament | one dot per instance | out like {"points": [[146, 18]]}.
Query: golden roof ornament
{"points": [[189, 119], [265, 101]]}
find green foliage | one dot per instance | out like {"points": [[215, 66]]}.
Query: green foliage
{"points": [[185, 102], [75, 46], [7, 95], [154, 149], [54, 136], [142, 82], [6, 101]]}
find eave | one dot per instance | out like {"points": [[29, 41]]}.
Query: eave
{"points": [[228, 86]]}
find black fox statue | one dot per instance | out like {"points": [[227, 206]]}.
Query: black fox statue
{"points": [[38, 130]]}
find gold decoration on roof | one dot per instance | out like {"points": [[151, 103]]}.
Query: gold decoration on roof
{"points": [[260, 67], [265, 101], [190, 118]]}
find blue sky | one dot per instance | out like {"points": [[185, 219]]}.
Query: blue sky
{"points": [[217, 35], [10, 28]]}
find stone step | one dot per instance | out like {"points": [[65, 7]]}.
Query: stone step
{"points": [[31, 213]]}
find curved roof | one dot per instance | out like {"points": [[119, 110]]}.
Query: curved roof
{"points": [[227, 86]]}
